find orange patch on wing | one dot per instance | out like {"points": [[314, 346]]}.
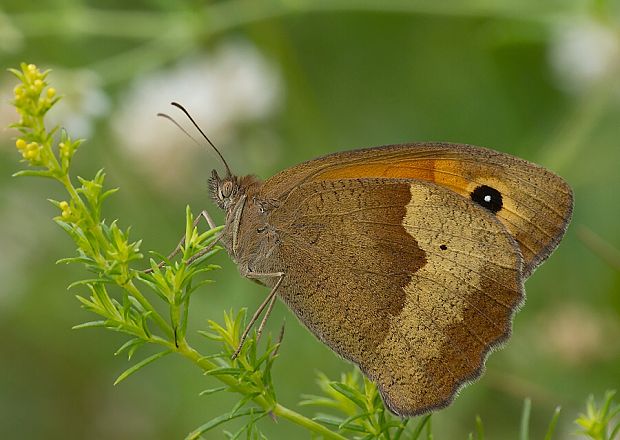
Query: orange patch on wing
{"points": [[445, 172], [396, 169]]}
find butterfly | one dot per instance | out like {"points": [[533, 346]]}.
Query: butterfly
{"points": [[408, 260]]}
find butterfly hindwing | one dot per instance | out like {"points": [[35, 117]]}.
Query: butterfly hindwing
{"points": [[409, 280]]}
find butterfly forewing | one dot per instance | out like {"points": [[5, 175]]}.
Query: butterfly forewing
{"points": [[534, 204]]}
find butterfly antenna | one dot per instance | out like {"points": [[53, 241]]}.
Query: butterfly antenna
{"points": [[180, 107], [165, 116]]}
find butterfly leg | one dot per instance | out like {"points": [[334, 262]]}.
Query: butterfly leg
{"points": [[203, 215], [268, 302]]}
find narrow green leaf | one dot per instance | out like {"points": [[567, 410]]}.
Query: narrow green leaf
{"points": [[212, 391], [209, 335], [524, 431], [310, 399], [401, 429], [348, 423], [144, 323], [328, 420], [89, 281], [214, 356], [418, 429], [32, 173], [82, 260], [86, 302], [224, 371], [553, 423], [194, 435], [128, 372], [128, 344], [609, 396], [107, 194], [89, 325], [479, 428], [206, 256], [242, 402], [136, 304], [350, 393]]}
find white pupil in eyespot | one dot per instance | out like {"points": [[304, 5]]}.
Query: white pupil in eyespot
{"points": [[487, 198]]}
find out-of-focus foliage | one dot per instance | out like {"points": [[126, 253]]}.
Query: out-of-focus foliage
{"points": [[274, 83]]}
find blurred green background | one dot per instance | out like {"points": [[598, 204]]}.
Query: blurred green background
{"points": [[275, 83]]}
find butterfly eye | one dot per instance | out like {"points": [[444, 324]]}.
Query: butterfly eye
{"points": [[487, 197], [226, 189]]}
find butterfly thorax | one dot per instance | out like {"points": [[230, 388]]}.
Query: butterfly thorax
{"points": [[247, 235]]}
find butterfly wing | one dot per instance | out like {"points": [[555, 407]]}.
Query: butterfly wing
{"points": [[535, 206], [407, 279]]}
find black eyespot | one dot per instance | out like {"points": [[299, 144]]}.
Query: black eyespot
{"points": [[487, 197], [443, 247]]}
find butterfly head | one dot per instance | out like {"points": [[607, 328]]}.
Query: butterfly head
{"points": [[224, 191]]}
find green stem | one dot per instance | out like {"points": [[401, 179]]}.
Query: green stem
{"points": [[311, 425], [278, 410], [159, 320], [128, 286]]}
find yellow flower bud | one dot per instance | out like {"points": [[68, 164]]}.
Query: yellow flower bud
{"points": [[66, 213], [32, 68], [31, 154], [63, 205], [38, 83], [32, 146], [51, 92], [20, 144]]}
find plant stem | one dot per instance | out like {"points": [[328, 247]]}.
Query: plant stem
{"points": [[307, 423], [278, 410], [159, 320], [128, 286]]}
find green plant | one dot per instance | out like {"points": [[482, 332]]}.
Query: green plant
{"points": [[117, 288], [116, 296], [598, 422]]}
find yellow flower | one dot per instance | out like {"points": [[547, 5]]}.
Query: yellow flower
{"points": [[51, 92], [66, 209], [20, 144]]}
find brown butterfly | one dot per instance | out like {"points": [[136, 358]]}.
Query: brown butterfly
{"points": [[408, 260]]}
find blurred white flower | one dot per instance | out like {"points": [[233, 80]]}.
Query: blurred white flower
{"points": [[582, 52], [83, 101], [577, 335], [11, 38], [232, 86]]}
